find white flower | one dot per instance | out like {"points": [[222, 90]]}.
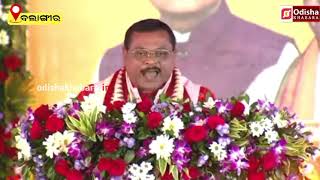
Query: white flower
{"points": [[281, 123], [94, 100], [57, 143], [246, 107], [4, 17], [65, 139], [52, 146], [162, 146], [137, 172], [307, 169], [256, 129], [128, 107], [218, 151], [24, 148], [4, 38], [134, 169], [129, 118], [271, 136], [146, 166], [175, 125], [198, 109], [142, 177], [267, 124], [209, 104]]}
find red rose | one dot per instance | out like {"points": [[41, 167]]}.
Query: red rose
{"points": [[7, 135], [62, 167], [118, 167], [36, 130], [111, 145], [3, 76], [14, 177], [186, 107], [237, 109], [167, 176], [154, 120], [117, 105], [195, 134], [194, 173], [42, 113], [114, 167], [12, 62], [145, 105], [74, 175], [269, 161], [215, 120], [253, 163], [252, 175], [2, 146], [11, 152], [54, 124], [105, 164]]}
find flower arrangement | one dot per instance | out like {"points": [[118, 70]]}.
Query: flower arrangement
{"points": [[15, 86], [215, 139]]}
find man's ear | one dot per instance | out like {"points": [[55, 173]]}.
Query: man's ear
{"points": [[124, 51]]}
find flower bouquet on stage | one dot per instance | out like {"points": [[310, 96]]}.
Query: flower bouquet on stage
{"points": [[215, 139]]}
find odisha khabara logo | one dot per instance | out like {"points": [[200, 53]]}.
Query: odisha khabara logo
{"points": [[300, 13], [300, 10], [286, 13]]}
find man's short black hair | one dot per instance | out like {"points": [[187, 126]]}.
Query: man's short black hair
{"points": [[149, 25]]}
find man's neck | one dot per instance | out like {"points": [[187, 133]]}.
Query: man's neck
{"points": [[148, 94], [186, 22]]}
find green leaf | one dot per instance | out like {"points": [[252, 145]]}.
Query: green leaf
{"points": [[162, 166], [129, 156], [143, 133], [174, 171], [86, 124], [17, 94], [71, 123], [142, 115], [246, 98]]}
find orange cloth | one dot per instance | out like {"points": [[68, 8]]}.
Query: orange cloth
{"points": [[297, 91]]}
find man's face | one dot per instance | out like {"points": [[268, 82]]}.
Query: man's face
{"points": [[183, 6], [315, 26], [149, 60]]}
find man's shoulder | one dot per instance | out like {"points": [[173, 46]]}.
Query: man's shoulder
{"points": [[253, 31]]}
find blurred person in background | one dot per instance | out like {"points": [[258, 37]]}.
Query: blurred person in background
{"points": [[300, 88]]}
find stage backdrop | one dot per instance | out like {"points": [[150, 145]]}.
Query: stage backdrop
{"points": [[65, 57]]}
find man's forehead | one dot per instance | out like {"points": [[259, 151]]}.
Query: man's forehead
{"points": [[155, 39]]}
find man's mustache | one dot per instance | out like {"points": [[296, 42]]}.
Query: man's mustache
{"points": [[156, 69]]}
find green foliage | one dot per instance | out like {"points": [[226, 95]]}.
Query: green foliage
{"points": [[86, 124], [162, 164], [18, 95]]}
